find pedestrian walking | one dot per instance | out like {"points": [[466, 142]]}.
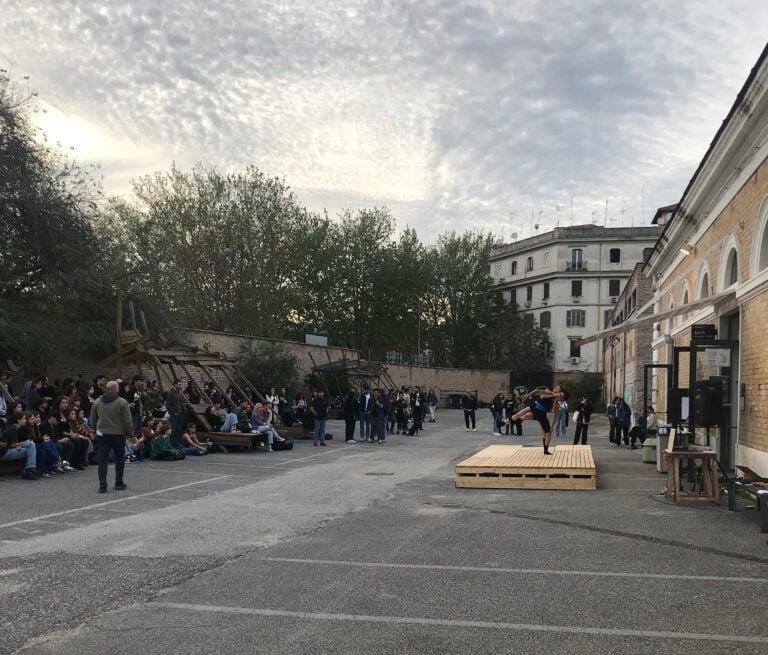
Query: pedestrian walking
{"points": [[469, 403]]}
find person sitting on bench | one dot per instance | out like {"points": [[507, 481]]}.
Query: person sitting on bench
{"points": [[11, 448], [260, 423], [219, 419]]}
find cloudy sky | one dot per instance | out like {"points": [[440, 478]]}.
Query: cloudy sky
{"points": [[456, 114]]}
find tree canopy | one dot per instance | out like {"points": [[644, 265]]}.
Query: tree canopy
{"points": [[232, 251]]}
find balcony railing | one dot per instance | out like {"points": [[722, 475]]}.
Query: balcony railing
{"points": [[576, 266]]}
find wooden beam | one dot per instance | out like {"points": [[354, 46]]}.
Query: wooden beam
{"points": [[197, 386]]}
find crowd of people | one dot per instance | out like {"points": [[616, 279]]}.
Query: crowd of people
{"points": [[50, 426]]}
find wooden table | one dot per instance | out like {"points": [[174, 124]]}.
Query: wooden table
{"points": [[710, 490]]}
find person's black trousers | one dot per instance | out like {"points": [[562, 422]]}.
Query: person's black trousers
{"points": [[469, 417], [107, 443], [349, 428], [581, 433]]}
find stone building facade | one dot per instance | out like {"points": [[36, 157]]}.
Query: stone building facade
{"points": [[709, 271]]}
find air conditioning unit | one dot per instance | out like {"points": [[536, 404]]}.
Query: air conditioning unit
{"points": [[576, 298], [575, 360], [527, 303], [613, 300], [545, 301]]}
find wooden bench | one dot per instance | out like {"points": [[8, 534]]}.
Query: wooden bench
{"points": [[756, 487]]}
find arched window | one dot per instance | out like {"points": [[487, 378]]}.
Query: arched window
{"points": [[759, 260], [732, 268], [514, 268], [728, 270], [704, 284]]}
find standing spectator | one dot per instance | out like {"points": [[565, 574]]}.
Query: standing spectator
{"points": [[431, 404], [560, 415], [418, 407], [350, 413], [469, 403], [174, 403], [12, 446], [584, 409], [366, 411], [623, 421], [497, 411], [610, 412], [111, 419], [273, 401], [380, 412], [137, 401], [100, 386], [509, 411], [319, 410], [300, 406]]}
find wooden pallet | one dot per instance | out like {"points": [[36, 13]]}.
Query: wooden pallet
{"points": [[518, 467]]}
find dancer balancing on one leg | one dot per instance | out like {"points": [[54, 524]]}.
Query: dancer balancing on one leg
{"points": [[544, 400]]}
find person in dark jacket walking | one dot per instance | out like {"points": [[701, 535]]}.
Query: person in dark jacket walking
{"points": [[469, 403], [111, 419], [623, 421]]}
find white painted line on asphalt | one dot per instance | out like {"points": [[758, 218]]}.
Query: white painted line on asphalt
{"points": [[457, 623], [123, 499], [492, 569]]}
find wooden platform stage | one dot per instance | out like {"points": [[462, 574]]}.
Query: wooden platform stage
{"points": [[519, 467]]}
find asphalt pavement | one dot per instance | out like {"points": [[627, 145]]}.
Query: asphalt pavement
{"points": [[368, 548]]}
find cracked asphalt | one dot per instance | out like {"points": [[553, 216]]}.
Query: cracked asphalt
{"points": [[363, 548]]}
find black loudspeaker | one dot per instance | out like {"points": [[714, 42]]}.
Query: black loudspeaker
{"points": [[708, 399]]}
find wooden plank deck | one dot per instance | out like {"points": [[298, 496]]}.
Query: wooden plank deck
{"points": [[518, 467]]}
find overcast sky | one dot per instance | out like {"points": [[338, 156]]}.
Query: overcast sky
{"points": [[454, 114]]}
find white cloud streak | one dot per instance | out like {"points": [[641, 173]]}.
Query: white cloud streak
{"points": [[455, 114]]}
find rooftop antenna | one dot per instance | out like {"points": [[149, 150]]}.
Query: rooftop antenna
{"points": [[571, 210], [605, 216]]}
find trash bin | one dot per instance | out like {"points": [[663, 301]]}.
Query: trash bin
{"points": [[662, 436], [649, 450]]}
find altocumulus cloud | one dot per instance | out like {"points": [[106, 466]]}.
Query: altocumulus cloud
{"points": [[455, 114]]}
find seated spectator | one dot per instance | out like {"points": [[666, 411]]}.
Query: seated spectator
{"points": [[191, 444], [243, 413], [192, 393], [219, 419], [260, 423], [51, 428], [148, 432], [12, 446], [47, 453], [162, 448]]}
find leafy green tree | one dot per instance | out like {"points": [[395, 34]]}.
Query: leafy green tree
{"points": [[269, 365], [215, 249], [516, 341], [53, 284], [457, 301]]}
